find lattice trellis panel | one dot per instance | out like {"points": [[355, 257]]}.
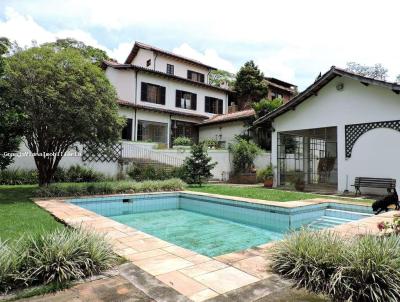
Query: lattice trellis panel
{"points": [[102, 153], [353, 132]]}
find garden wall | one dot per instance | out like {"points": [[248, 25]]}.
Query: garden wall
{"points": [[220, 172]]}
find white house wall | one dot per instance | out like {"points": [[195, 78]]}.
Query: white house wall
{"points": [[159, 62], [222, 132], [170, 94], [124, 83], [355, 104]]}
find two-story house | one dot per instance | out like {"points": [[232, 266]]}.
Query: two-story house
{"points": [[163, 95]]}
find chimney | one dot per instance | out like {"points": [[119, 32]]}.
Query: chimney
{"points": [[232, 108]]}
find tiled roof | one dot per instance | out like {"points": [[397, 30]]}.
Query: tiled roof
{"points": [[323, 80], [160, 73], [230, 117], [139, 45], [161, 110]]}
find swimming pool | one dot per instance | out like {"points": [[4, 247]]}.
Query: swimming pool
{"points": [[214, 226]]}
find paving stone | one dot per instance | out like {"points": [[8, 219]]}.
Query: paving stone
{"points": [[226, 279], [181, 283]]}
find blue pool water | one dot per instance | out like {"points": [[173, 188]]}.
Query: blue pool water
{"points": [[216, 226]]}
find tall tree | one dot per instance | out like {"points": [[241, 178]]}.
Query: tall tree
{"points": [[377, 71], [65, 100], [96, 55], [250, 85], [10, 117], [197, 168]]}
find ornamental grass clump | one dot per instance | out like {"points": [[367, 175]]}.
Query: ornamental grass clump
{"points": [[370, 271], [308, 258], [365, 268], [54, 258], [66, 255], [12, 257]]}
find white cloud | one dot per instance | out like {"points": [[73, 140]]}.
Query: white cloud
{"points": [[209, 57], [290, 39]]}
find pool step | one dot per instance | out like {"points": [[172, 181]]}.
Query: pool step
{"points": [[327, 222], [346, 214]]}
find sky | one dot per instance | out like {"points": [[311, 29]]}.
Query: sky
{"points": [[289, 39]]}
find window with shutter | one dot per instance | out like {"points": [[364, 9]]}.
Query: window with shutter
{"points": [[127, 130], [186, 100], [170, 69], [214, 105], [152, 93], [195, 76]]}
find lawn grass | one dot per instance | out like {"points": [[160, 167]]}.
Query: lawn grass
{"points": [[20, 216], [260, 192], [252, 192]]}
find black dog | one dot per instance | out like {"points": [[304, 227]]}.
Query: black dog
{"points": [[380, 205]]}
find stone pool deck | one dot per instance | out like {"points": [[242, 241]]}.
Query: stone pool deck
{"points": [[193, 276]]}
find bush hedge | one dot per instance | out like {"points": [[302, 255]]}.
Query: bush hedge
{"points": [[58, 257], [112, 187], [150, 172], [364, 268], [74, 173]]}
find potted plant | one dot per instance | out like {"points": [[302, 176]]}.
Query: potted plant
{"points": [[298, 180], [266, 176]]}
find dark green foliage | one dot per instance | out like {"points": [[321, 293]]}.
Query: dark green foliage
{"points": [[73, 174], [250, 85], [150, 172], [57, 257], [18, 177], [264, 106], [244, 153], [112, 187], [197, 168], [10, 117], [95, 55], [365, 268], [64, 100]]}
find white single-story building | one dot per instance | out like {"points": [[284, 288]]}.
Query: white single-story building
{"points": [[342, 126]]}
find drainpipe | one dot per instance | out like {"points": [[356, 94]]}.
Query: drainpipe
{"points": [[208, 76], [155, 58], [136, 92]]}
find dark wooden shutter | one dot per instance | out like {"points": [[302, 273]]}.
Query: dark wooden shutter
{"points": [[201, 77], [162, 95], [127, 130], [207, 104], [220, 106], [194, 101], [143, 92], [178, 99]]}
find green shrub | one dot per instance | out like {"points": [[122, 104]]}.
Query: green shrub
{"points": [[182, 141], [54, 258], [18, 177], [78, 173], [75, 173], [265, 173], [113, 187], [244, 153], [151, 172], [363, 268]]}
